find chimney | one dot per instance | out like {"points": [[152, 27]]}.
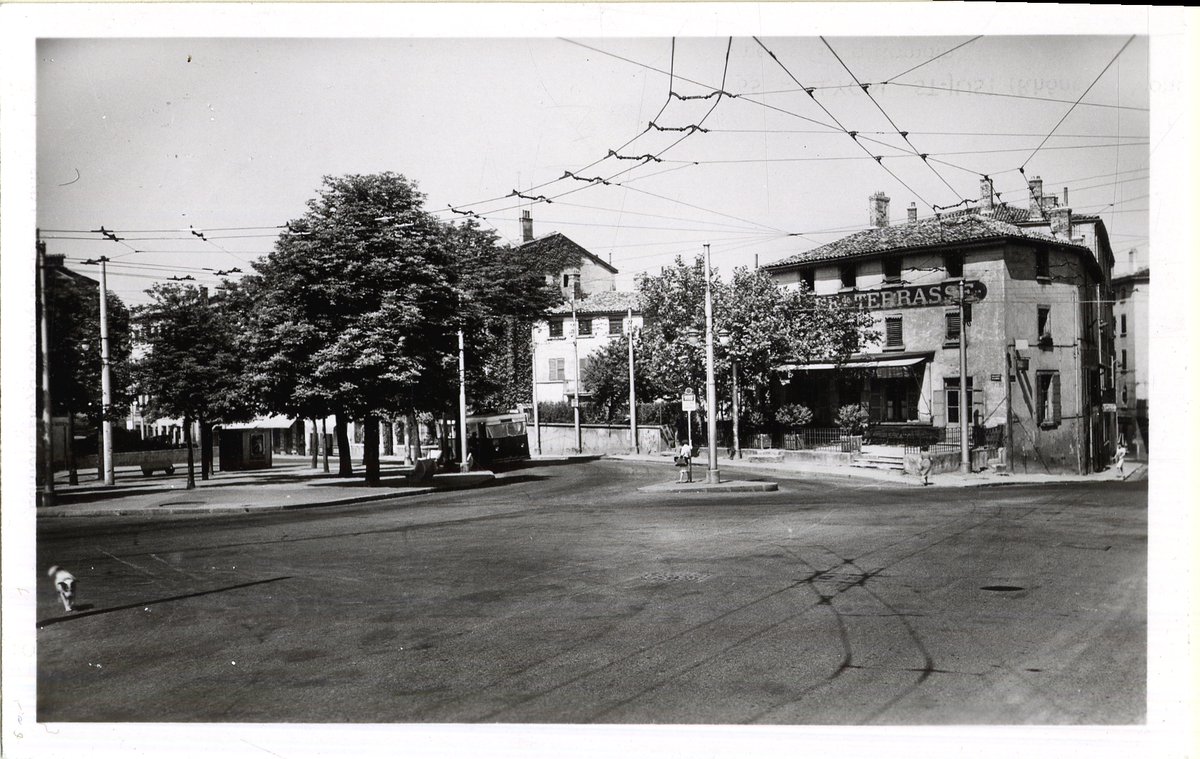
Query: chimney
{"points": [[55, 260], [879, 210], [912, 212], [1060, 222], [1065, 201], [986, 193], [1035, 195], [526, 226]]}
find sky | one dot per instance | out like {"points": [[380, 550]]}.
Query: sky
{"points": [[224, 118], [153, 138]]}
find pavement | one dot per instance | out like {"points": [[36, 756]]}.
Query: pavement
{"points": [[293, 484]]}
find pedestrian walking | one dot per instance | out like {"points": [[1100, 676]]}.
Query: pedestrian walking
{"points": [[684, 461], [1122, 452], [925, 465]]}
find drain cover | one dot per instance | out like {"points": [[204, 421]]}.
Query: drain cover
{"points": [[1002, 588]]}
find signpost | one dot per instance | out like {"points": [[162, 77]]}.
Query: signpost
{"points": [[689, 405]]}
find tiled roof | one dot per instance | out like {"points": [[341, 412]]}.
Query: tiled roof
{"points": [[951, 229], [1142, 273], [607, 302], [560, 251]]}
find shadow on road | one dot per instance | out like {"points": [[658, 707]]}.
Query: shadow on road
{"points": [[82, 613]]}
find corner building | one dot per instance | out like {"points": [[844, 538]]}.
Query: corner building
{"points": [[1036, 330]]}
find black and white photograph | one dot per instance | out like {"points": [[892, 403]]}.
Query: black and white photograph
{"points": [[619, 379]]}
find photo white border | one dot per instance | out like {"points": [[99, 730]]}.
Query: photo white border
{"points": [[1170, 728]]}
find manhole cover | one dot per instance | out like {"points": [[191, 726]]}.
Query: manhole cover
{"points": [[675, 577], [1002, 588]]}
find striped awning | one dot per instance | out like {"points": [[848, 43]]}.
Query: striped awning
{"points": [[872, 362]]}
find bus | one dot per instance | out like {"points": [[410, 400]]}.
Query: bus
{"points": [[494, 438]]}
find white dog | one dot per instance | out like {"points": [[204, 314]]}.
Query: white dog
{"points": [[64, 583]]}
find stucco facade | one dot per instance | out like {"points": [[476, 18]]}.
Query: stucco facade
{"points": [[1034, 334]]}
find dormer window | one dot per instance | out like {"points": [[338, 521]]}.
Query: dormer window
{"points": [[891, 270], [954, 265], [849, 275]]}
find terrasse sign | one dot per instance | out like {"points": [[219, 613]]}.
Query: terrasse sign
{"points": [[915, 296]]}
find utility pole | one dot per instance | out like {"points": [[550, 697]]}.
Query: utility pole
{"points": [[713, 475], [633, 436], [463, 466], [105, 377], [578, 380], [963, 391], [737, 446], [47, 414], [537, 429]]}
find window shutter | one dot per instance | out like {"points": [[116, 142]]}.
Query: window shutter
{"points": [[895, 331], [953, 326], [1055, 399]]}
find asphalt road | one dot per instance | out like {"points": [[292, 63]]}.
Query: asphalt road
{"points": [[562, 595]]}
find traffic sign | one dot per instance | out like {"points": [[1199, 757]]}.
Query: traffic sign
{"points": [[689, 400]]}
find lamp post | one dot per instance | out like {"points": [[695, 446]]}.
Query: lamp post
{"points": [[633, 436]]}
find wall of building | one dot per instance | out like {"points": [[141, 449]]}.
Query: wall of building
{"points": [[546, 348]]}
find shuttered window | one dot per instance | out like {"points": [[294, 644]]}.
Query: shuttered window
{"points": [[1049, 399], [952, 387], [953, 327], [895, 331], [558, 369]]}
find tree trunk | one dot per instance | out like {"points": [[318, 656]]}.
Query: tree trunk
{"points": [[345, 464], [205, 448], [371, 448], [191, 458], [315, 437], [414, 436], [325, 445]]}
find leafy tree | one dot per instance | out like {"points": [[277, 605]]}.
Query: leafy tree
{"points": [[767, 325], [503, 293], [192, 367], [356, 309], [73, 311]]}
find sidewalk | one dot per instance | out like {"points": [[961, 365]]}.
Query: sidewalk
{"points": [[1133, 471], [291, 483]]}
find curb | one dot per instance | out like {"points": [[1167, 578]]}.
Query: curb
{"points": [[155, 511], [730, 486]]}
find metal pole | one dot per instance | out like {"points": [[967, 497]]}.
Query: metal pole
{"points": [[537, 430], [578, 383], [633, 436], [463, 466], [963, 393], [737, 446], [47, 413], [105, 377], [713, 476]]}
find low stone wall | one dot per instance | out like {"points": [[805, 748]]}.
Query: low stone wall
{"points": [[598, 439], [981, 458], [177, 456]]}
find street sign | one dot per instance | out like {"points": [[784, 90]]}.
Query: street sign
{"points": [[1109, 408], [689, 400]]}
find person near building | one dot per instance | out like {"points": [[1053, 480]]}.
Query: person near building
{"points": [[925, 465], [1122, 451]]}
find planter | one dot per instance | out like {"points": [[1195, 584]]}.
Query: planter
{"points": [[851, 443]]}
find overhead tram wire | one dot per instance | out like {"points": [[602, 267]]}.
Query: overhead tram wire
{"points": [[1076, 103], [1011, 95], [849, 133], [867, 91], [931, 60]]}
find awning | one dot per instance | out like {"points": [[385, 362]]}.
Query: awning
{"points": [[265, 423], [866, 363]]}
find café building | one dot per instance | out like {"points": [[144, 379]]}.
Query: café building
{"points": [[1021, 295]]}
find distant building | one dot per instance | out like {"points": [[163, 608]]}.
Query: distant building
{"points": [[1037, 327], [594, 313], [1131, 314]]}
